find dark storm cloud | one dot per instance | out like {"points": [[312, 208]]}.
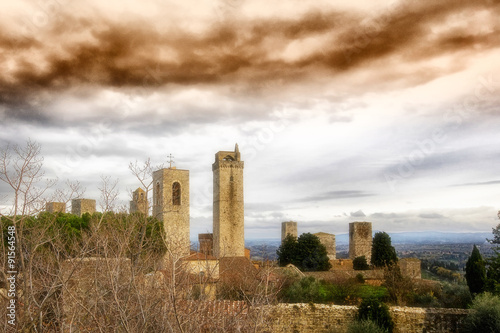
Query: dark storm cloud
{"points": [[137, 55]]}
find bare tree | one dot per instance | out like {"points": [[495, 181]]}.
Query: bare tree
{"points": [[144, 174]]}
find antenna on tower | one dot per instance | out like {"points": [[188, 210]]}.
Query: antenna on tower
{"points": [[170, 161]]}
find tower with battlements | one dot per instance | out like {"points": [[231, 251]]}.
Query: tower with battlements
{"points": [[171, 205], [228, 212]]}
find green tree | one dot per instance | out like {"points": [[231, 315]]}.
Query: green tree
{"points": [[376, 311], [311, 254], [493, 263], [306, 252], [360, 263], [287, 252], [475, 272], [383, 253]]}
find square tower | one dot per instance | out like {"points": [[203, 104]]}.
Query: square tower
{"points": [[288, 228], [360, 240], [171, 205], [55, 207], [139, 202], [328, 240], [82, 206], [229, 234]]}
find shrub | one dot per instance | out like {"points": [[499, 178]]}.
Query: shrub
{"points": [[365, 326], [485, 315], [360, 264], [376, 311]]}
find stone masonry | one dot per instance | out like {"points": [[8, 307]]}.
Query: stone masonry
{"points": [[322, 318], [410, 267], [82, 206], [206, 242], [360, 240], [328, 240], [139, 202], [55, 207], [228, 212], [171, 205], [287, 228]]}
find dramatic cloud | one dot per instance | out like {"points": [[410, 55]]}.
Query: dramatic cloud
{"points": [[342, 110]]}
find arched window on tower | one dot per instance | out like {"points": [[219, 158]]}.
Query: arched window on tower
{"points": [[176, 193]]}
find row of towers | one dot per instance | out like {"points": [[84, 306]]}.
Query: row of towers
{"points": [[360, 239], [171, 205]]}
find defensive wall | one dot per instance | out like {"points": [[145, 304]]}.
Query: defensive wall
{"points": [[322, 318]]}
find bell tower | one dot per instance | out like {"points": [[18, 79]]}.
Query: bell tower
{"points": [[171, 205], [228, 212]]}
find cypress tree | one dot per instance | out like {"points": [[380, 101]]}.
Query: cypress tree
{"points": [[475, 272]]}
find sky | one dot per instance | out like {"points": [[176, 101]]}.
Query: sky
{"points": [[375, 111]]}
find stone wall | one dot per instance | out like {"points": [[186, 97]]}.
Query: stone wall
{"points": [[305, 318]]}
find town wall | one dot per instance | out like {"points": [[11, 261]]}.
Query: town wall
{"points": [[323, 318]]}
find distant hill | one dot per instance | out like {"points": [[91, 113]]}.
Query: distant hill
{"points": [[424, 237]]}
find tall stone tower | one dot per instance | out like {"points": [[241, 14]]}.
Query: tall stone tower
{"points": [[171, 205], [288, 228], [360, 240], [229, 237], [139, 202]]}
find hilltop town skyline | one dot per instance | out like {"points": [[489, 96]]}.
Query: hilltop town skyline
{"points": [[359, 112]]}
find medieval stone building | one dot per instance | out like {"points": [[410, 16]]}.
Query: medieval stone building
{"points": [[82, 206], [171, 205], [55, 207], [288, 228], [360, 240], [139, 202], [228, 212], [328, 240]]}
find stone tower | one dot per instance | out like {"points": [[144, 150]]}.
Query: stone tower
{"points": [[328, 240], [55, 207], [82, 206], [171, 205], [288, 228], [360, 240], [139, 202], [228, 214]]}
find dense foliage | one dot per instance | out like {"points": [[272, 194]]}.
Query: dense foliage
{"points": [[485, 315], [360, 263], [475, 272], [307, 253], [383, 253], [309, 289], [376, 311]]}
